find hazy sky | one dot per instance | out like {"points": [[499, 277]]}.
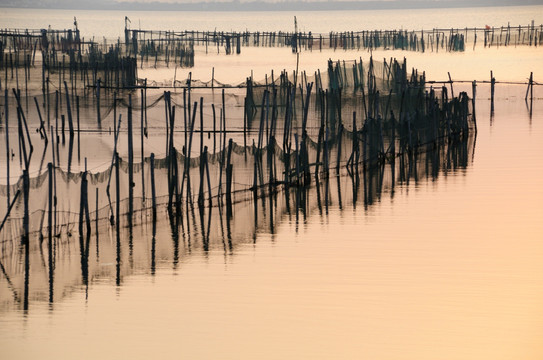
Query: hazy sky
{"points": [[238, 5], [420, 2]]}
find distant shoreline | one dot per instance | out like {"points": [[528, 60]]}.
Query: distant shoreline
{"points": [[236, 6]]}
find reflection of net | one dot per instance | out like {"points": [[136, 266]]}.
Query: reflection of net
{"points": [[69, 185], [79, 263], [68, 190]]}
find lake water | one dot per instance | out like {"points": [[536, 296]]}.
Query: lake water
{"points": [[110, 24], [445, 265]]}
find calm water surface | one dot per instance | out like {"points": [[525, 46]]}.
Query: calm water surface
{"points": [[446, 267]]}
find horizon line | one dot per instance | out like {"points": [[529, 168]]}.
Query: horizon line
{"points": [[257, 6]]}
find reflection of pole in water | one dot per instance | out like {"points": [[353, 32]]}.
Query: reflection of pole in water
{"points": [[255, 190], [50, 232], [174, 228], [10, 283], [26, 240], [393, 174], [118, 222], [318, 190], [209, 225], [365, 176], [84, 216], [153, 250], [326, 193], [96, 230], [340, 203], [270, 197], [305, 191], [205, 244], [355, 180], [153, 190], [229, 232]]}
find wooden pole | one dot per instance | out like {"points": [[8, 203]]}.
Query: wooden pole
{"points": [[202, 178], [130, 162], [78, 130], [529, 86], [474, 92], [98, 116], [9, 209], [214, 129], [340, 137], [8, 154], [69, 110], [96, 224], [229, 175], [201, 126], [492, 84], [142, 149], [118, 222], [26, 239], [153, 192], [117, 194]]}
